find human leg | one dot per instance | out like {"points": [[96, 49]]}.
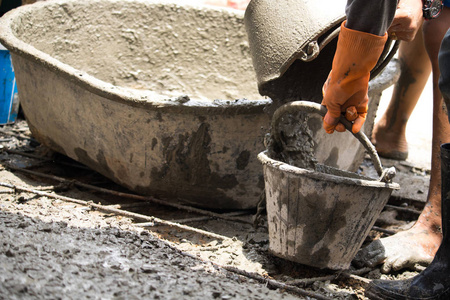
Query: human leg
{"points": [[389, 133], [419, 244], [434, 281]]}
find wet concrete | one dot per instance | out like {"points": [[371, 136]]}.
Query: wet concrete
{"points": [[70, 253], [122, 245]]}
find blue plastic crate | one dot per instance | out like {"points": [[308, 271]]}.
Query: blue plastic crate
{"points": [[9, 99]]}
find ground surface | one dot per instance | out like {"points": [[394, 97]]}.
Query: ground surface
{"points": [[52, 247], [56, 249]]}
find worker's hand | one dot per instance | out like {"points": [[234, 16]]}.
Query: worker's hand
{"points": [[407, 20], [351, 100], [345, 90]]}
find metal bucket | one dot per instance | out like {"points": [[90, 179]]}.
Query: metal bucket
{"points": [[320, 218]]}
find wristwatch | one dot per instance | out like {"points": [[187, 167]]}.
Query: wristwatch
{"points": [[432, 9]]}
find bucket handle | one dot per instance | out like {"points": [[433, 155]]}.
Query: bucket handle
{"points": [[385, 175]]}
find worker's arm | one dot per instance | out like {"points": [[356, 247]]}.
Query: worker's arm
{"points": [[360, 44], [373, 16]]}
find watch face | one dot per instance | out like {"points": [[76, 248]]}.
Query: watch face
{"points": [[432, 9], [435, 8]]}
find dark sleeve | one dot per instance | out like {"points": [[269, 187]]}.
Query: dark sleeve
{"points": [[373, 16]]}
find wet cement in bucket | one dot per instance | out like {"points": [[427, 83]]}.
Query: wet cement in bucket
{"points": [[296, 145]]}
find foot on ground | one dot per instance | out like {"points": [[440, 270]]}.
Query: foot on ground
{"points": [[415, 246], [390, 143]]}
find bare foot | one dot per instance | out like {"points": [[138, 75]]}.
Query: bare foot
{"points": [[405, 249], [390, 143]]}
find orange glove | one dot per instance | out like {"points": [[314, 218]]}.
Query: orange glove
{"points": [[348, 82]]}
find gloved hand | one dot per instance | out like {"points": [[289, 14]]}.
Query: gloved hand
{"points": [[348, 82]]}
